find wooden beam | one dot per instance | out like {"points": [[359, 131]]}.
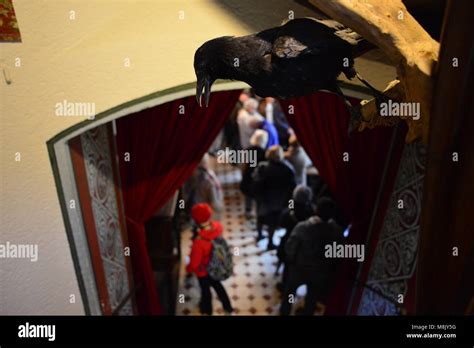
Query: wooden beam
{"points": [[388, 25]]}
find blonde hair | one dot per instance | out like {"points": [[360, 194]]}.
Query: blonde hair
{"points": [[275, 153], [259, 138], [251, 102]]}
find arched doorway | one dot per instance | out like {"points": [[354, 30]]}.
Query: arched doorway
{"points": [[70, 191]]}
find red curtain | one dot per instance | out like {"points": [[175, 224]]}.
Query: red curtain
{"points": [[320, 122], [158, 149]]}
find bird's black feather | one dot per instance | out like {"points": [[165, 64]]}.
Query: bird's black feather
{"points": [[301, 56]]}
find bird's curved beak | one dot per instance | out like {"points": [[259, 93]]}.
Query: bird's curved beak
{"points": [[203, 82]]}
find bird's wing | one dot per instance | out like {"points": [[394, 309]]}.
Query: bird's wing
{"points": [[358, 43], [330, 23], [288, 47], [303, 36]]}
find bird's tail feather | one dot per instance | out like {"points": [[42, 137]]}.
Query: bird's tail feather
{"points": [[359, 44]]}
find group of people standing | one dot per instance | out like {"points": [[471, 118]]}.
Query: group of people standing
{"points": [[270, 183], [277, 185]]}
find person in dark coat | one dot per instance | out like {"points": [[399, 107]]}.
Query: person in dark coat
{"points": [[258, 143], [274, 182], [301, 210], [305, 254], [281, 124], [231, 128]]}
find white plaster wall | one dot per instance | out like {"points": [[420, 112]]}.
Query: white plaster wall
{"points": [[82, 60]]}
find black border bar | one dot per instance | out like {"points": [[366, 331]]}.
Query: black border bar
{"points": [[240, 329]]}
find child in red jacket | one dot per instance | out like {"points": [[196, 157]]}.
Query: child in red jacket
{"points": [[201, 255]]}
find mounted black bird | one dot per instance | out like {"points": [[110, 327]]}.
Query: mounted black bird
{"points": [[300, 57]]}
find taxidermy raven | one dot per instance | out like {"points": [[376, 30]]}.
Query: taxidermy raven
{"points": [[300, 57]]}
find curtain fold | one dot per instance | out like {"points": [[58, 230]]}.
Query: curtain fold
{"points": [[351, 167], [158, 149]]}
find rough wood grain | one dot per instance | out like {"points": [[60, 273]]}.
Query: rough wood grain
{"points": [[371, 116], [390, 26]]}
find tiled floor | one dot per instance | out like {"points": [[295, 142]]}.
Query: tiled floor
{"points": [[252, 287]]}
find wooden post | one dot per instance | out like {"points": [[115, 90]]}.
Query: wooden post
{"points": [[445, 282]]}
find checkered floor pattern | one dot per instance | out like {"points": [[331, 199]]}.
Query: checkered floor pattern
{"points": [[252, 288]]}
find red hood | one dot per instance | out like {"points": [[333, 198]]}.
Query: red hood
{"points": [[213, 232]]}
